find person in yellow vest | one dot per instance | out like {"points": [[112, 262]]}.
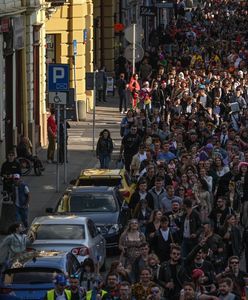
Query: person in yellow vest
{"points": [[97, 293], [59, 292]]}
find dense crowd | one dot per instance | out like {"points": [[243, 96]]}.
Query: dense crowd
{"points": [[185, 144]]}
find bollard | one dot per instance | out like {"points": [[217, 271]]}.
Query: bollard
{"points": [[82, 110]]}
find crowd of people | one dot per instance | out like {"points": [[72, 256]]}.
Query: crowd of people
{"points": [[185, 144]]}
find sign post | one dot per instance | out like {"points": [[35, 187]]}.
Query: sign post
{"points": [[58, 87], [134, 42], [94, 112], [75, 79]]}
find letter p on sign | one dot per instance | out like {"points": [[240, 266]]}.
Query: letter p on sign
{"points": [[58, 73]]}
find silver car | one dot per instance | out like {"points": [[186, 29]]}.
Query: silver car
{"points": [[69, 233]]}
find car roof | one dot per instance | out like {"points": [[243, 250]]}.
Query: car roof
{"points": [[91, 189], [35, 259], [60, 219], [100, 173]]}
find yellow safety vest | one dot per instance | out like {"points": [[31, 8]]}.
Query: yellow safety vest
{"points": [[89, 294], [51, 293]]}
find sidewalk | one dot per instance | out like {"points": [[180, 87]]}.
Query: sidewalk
{"points": [[80, 156]]}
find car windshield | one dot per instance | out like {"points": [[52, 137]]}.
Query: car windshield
{"points": [[58, 232], [30, 275], [96, 202], [101, 181]]}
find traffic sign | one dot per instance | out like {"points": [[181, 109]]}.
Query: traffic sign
{"points": [[58, 98], [58, 77], [139, 53], [139, 34], [149, 11], [74, 47]]}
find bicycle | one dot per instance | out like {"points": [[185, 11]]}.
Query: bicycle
{"points": [[27, 165]]}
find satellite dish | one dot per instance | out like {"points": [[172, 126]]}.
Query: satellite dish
{"points": [[139, 34], [139, 53]]}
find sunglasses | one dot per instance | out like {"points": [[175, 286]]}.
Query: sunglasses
{"points": [[176, 254], [74, 276], [234, 262]]}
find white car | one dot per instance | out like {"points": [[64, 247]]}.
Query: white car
{"points": [[69, 233]]}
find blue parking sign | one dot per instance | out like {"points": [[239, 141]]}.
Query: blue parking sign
{"points": [[58, 77]]}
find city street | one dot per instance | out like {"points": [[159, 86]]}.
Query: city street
{"points": [[80, 156]]}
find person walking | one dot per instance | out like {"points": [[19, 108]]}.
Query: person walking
{"points": [[21, 197], [13, 244], [59, 292], [104, 149], [122, 86], [52, 130]]}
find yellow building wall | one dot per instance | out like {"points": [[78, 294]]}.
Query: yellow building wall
{"points": [[68, 22]]}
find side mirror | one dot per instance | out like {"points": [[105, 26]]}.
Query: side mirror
{"points": [[49, 210], [73, 181]]}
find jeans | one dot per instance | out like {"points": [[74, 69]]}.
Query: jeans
{"points": [[104, 161], [22, 215], [51, 147], [123, 102]]}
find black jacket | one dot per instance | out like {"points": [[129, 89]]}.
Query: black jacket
{"points": [[162, 247], [194, 224]]}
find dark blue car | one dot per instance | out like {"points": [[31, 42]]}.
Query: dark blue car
{"points": [[31, 276]]}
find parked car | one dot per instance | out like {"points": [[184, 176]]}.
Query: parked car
{"points": [[75, 234], [104, 205], [104, 177], [31, 275]]}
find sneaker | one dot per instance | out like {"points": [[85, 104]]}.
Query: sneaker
{"points": [[49, 161]]}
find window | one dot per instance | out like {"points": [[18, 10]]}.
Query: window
{"points": [[99, 181], [30, 275], [128, 179], [58, 232], [96, 202]]}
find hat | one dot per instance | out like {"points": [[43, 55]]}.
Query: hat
{"points": [[202, 87], [16, 176], [197, 273], [242, 163], [60, 279], [209, 147], [175, 201]]}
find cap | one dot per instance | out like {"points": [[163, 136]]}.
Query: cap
{"points": [[60, 279], [16, 176], [202, 87], [197, 273], [209, 147]]}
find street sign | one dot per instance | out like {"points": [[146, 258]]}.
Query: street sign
{"points": [[139, 34], [74, 47], [149, 11], [58, 77], [139, 53], [165, 5], [58, 98]]}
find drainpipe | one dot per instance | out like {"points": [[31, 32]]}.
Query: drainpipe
{"points": [[24, 82], [102, 33]]}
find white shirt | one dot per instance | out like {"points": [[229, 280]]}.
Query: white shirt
{"points": [[165, 234]]}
